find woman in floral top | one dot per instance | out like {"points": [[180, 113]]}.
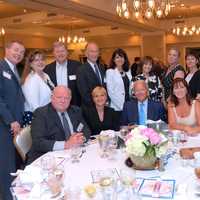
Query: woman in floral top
{"points": [[153, 81]]}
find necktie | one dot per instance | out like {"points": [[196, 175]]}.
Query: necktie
{"points": [[97, 73], [16, 74], [142, 120], [66, 126]]}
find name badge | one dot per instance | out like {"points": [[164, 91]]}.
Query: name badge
{"points": [[72, 77], [6, 75]]}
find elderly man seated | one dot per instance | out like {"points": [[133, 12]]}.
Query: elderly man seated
{"points": [[141, 109], [57, 126]]}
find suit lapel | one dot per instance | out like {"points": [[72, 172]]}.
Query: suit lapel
{"points": [[54, 116], [73, 119], [53, 73], [7, 68], [92, 73], [149, 110]]}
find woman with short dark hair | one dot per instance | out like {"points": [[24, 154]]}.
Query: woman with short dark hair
{"points": [[153, 81], [193, 76]]}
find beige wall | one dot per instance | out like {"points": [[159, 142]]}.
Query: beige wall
{"points": [[134, 45]]}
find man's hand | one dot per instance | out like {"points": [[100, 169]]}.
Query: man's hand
{"points": [[15, 127], [75, 139]]}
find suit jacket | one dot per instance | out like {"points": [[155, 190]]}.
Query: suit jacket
{"points": [[11, 109], [87, 81], [110, 120], [47, 128], [72, 67], [155, 111]]}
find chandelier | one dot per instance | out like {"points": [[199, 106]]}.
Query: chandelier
{"points": [[72, 39], [143, 8], [186, 30], [2, 32]]}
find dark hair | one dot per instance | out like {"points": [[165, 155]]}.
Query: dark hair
{"points": [[193, 54], [121, 53], [30, 58], [145, 60], [173, 97], [137, 59]]}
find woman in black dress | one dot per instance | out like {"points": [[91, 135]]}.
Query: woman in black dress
{"points": [[100, 117], [193, 76], [175, 70]]}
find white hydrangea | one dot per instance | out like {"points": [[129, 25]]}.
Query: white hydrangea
{"points": [[135, 147], [161, 150]]}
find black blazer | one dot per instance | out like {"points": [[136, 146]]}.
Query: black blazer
{"points": [[87, 81], [194, 84], [110, 120], [72, 67], [155, 111], [47, 128]]}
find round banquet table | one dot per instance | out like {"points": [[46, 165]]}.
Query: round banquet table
{"points": [[79, 174]]}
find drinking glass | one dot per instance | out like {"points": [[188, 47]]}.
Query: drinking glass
{"points": [[124, 132], [103, 144], [183, 138], [127, 177], [76, 152], [113, 143]]}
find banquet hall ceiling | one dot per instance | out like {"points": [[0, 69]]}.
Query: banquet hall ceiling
{"points": [[85, 16]]}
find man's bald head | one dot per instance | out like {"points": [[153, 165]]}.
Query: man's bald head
{"points": [[61, 98]]}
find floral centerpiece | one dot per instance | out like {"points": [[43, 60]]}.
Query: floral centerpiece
{"points": [[144, 146]]}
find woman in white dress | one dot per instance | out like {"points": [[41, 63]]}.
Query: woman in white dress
{"points": [[183, 112], [36, 84]]}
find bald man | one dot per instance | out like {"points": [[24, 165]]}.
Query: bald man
{"points": [[57, 126], [90, 74], [139, 110]]}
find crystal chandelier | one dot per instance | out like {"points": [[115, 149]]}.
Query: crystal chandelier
{"points": [[72, 39], [186, 30], [143, 8]]}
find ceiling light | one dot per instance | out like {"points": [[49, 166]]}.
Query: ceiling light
{"points": [[143, 8]]}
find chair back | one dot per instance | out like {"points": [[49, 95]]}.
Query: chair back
{"points": [[23, 142]]}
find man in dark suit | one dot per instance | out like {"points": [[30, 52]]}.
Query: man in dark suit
{"points": [[63, 71], [140, 110], [90, 74], [11, 112], [57, 126]]}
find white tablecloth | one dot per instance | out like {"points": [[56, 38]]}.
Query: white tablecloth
{"points": [[79, 174]]}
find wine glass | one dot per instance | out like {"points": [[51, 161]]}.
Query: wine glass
{"points": [[113, 143], [103, 144]]}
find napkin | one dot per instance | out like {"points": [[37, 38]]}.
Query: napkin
{"points": [[109, 133], [31, 174]]}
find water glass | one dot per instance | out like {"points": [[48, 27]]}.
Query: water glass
{"points": [[48, 163], [127, 177], [76, 152], [124, 130], [183, 138]]}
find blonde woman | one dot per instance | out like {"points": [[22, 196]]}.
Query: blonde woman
{"points": [[100, 117]]}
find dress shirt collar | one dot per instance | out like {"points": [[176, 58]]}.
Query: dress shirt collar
{"points": [[143, 102], [61, 64], [11, 65], [91, 64]]}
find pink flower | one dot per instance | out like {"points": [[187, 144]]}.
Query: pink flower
{"points": [[153, 136]]}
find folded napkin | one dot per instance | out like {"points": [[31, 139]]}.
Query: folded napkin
{"points": [[109, 133]]}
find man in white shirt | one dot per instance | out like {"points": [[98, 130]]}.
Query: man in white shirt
{"points": [[57, 126], [63, 71], [11, 112], [90, 74], [139, 110]]}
